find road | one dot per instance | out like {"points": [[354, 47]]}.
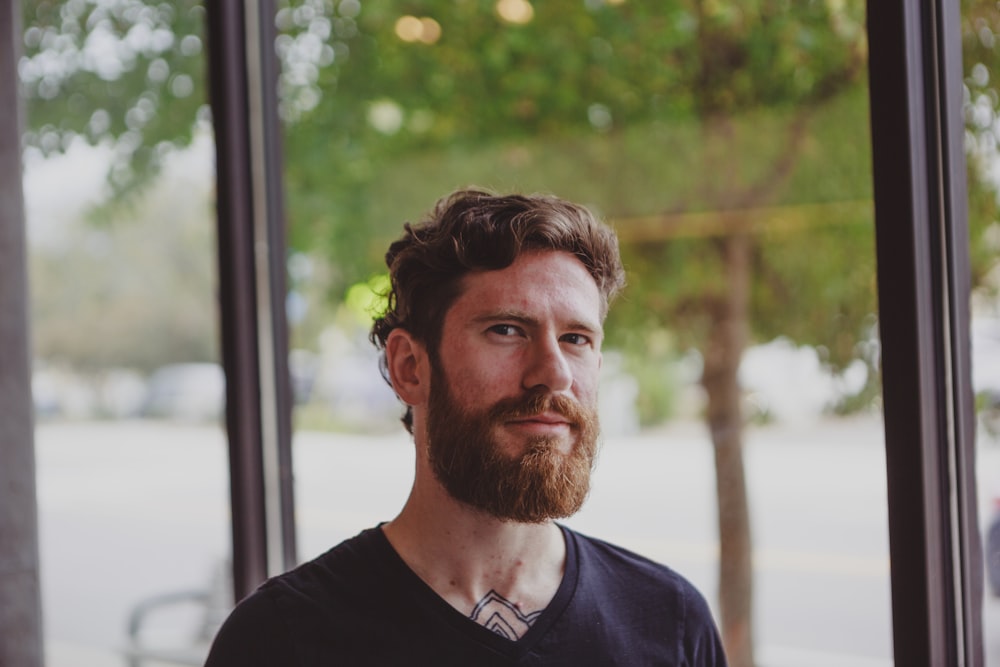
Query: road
{"points": [[130, 510]]}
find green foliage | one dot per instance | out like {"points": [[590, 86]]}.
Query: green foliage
{"points": [[680, 122], [981, 59], [123, 70], [813, 236], [586, 97], [824, 277], [368, 300]]}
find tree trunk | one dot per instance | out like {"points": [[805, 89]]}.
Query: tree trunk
{"points": [[722, 353]]}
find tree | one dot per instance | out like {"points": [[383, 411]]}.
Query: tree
{"points": [[125, 72], [702, 130]]}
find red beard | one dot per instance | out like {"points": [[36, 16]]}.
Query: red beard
{"points": [[540, 484]]}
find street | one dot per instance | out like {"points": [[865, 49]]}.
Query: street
{"points": [[132, 510]]}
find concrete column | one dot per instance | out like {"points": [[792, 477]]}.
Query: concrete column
{"points": [[20, 599]]}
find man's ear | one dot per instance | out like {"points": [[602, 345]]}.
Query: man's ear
{"points": [[408, 365]]}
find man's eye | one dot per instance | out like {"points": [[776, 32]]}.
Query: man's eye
{"points": [[504, 329], [576, 339]]}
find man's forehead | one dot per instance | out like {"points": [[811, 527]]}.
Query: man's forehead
{"points": [[536, 266], [535, 279], [538, 260]]}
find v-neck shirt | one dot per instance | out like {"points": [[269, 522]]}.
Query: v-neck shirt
{"points": [[360, 604]]}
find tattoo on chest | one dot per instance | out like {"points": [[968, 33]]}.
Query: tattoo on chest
{"points": [[497, 613]]}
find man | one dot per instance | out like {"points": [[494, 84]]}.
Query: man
{"points": [[492, 339]]}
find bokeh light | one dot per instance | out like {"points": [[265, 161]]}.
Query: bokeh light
{"points": [[413, 29], [515, 11]]}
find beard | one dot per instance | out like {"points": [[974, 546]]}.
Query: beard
{"points": [[541, 483]]}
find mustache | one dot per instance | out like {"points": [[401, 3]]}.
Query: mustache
{"points": [[536, 403]]}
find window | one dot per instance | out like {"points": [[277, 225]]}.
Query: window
{"points": [[731, 152]]}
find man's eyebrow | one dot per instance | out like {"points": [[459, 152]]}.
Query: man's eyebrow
{"points": [[523, 318], [507, 315]]}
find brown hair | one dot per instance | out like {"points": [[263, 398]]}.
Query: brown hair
{"points": [[474, 230]]}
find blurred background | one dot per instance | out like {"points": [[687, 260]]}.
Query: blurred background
{"points": [[726, 142]]}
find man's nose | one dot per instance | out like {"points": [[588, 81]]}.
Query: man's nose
{"points": [[548, 367]]}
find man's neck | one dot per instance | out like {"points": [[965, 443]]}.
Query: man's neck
{"points": [[481, 566]]}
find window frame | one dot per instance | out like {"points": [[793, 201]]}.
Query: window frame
{"points": [[915, 66], [251, 229]]}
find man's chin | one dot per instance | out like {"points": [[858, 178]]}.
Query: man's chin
{"points": [[535, 519], [516, 445]]}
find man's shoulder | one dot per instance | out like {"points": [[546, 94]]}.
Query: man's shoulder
{"points": [[636, 576], [647, 600], [595, 552], [351, 565], [337, 586], [288, 619]]}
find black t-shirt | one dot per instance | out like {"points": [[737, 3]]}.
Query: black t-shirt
{"points": [[360, 604]]}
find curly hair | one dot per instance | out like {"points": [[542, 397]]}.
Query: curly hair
{"points": [[475, 230]]}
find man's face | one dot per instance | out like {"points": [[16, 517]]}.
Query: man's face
{"points": [[512, 415]]}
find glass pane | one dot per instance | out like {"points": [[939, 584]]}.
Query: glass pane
{"points": [[728, 145], [981, 56], [132, 472]]}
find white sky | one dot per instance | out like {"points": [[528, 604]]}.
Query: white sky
{"points": [[58, 190]]}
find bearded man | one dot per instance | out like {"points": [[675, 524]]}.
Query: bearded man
{"points": [[492, 339]]}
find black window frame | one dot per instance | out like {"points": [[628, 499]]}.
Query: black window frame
{"points": [[922, 245]]}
